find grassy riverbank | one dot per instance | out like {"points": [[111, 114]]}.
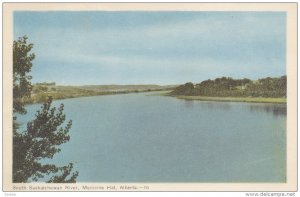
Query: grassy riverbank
{"points": [[224, 99], [235, 99], [40, 92]]}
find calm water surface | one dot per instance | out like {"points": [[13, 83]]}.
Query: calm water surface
{"points": [[142, 138]]}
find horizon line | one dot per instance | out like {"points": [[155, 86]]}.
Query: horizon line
{"points": [[157, 84]]}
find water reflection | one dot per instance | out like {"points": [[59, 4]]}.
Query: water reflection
{"points": [[188, 103], [212, 105], [275, 109]]}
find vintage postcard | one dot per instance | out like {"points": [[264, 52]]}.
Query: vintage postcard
{"points": [[150, 97]]}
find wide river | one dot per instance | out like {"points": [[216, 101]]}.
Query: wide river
{"points": [[146, 138]]}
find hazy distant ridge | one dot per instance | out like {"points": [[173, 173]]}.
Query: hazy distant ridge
{"points": [[123, 87]]}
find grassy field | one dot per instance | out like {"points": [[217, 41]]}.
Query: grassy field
{"points": [[224, 99], [235, 99], [160, 93]]}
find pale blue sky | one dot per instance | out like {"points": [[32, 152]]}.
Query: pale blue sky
{"points": [[78, 48]]}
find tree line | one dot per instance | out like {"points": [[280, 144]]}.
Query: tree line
{"points": [[272, 87]]}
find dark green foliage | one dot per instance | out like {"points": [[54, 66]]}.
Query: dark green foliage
{"points": [[268, 87], [44, 134], [228, 87], [63, 178], [186, 89], [22, 63], [41, 140]]}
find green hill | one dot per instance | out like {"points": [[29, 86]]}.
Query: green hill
{"points": [[228, 87]]}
